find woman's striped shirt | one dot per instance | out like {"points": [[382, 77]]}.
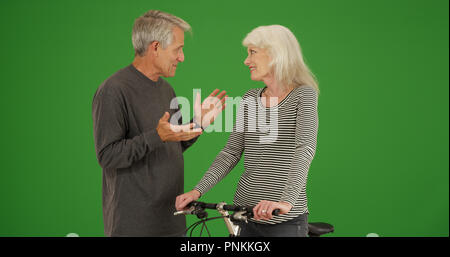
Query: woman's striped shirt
{"points": [[279, 144]]}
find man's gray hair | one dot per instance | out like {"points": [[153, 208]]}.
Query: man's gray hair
{"points": [[153, 26]]}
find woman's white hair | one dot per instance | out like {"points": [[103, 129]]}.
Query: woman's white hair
{"points": [[153, 26], [287, 63]]}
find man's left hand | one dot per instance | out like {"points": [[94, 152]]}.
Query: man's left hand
{"points": [[205, 113]]}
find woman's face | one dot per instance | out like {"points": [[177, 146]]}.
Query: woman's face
{"points": [[258, 61]]}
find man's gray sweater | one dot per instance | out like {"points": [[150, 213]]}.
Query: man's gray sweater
{"points": [[142, 175]]}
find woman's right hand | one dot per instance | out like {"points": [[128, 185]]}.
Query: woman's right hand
{"points": [[186, 198]]}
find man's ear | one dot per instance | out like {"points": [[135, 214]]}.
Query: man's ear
{"points": [[153, 48]]}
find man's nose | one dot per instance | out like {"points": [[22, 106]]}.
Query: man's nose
{"points": [[181, 56]]}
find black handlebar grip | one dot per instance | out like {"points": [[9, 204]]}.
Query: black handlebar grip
{"points": [[210, 206], [202, 205], [232, 207], [275, 212]]}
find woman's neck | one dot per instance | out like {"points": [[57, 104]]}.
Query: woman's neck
{"points": [[273, 88], [273, 92]]}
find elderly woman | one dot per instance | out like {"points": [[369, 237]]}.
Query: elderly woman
{"points": [[276, 168]]}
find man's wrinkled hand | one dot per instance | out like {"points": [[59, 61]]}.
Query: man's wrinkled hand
{"points": [[169, 132], [205, 113], [183, 200]]}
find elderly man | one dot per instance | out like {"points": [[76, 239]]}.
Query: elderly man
{"points": [[139, 150]]}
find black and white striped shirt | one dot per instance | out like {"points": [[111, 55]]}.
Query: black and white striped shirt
{"points": [[278, 152]]}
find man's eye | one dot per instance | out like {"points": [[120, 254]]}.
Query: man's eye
{"points": [[252, 51]]}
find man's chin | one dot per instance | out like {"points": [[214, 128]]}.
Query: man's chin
{"points": [[170, 75]]}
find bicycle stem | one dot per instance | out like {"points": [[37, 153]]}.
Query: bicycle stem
{"points": [[232, 229]]}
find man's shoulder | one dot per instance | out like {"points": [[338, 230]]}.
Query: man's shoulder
{"points": [[115, 83], [165, 85]]}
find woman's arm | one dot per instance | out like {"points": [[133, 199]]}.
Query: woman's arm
{"points": [[225, 161], [305, 144]]}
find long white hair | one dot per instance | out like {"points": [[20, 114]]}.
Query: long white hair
{"points": [[287, 63]]}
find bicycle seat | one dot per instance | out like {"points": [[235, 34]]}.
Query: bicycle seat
{"points": [[319, 228]]}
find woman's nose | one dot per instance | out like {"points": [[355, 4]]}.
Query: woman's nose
{"points": [[246, 61]]}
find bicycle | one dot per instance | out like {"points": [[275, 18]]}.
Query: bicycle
{"points": [[240, 214]]}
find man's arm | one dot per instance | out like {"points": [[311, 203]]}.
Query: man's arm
{"points": [[204, 113], [186, 144], [110, 126]]}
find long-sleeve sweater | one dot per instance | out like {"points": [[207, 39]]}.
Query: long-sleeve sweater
{"points": [[142, 175]]}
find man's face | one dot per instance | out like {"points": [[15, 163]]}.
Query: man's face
{"points": [[169, 58]]}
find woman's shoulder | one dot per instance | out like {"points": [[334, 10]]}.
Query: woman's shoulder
{"points": [[305, 91], [304, 94], [253, 92]]}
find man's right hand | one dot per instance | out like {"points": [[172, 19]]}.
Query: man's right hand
{"points": [[170, 132], [183, 200]]}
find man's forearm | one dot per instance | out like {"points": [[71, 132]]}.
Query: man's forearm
{"points": [[123, 153]]}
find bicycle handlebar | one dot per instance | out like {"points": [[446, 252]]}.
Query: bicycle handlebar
{"points": [[227, 207]]}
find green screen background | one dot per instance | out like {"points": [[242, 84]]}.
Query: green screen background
{"points": [[381, 164]]}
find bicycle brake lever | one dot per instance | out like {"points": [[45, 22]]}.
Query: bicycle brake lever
{"points": [[179, 213], [184, 212]]}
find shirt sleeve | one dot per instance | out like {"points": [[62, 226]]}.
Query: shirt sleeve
{"points": [[186, 144], [228, 158], [110, 122], [305, 144]]}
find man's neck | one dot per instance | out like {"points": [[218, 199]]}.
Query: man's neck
{"points": [[148, 69]]}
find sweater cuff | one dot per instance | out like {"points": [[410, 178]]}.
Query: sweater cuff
{"points": [[200, 190], [152, 139]]}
